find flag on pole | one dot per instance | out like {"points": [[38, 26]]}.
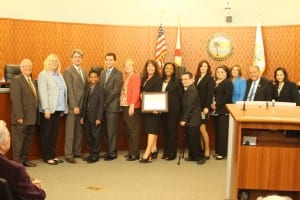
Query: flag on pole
{"points": [[178, 58], [259, 52], [161, 47]]}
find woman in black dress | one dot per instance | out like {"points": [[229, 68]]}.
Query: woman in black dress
{"points": [[170, 119], [205, 85], [283, 89], [151, 82], [222, 96]]}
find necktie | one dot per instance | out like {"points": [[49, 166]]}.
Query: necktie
{"points": [[80, 73], [32, 88], [107, 74], [251, 93]]}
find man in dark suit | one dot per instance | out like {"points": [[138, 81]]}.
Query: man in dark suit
{"points": [[258, 87], [19, 183], [75, 77], [191, 118], [24, 98], [111, 80], [92, 115]]}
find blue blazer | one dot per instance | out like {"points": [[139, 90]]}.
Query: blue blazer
{"points": [[48, 92], [239, 89]]}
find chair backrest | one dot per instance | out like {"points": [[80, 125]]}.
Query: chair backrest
{"points": [[10, 71], [5, 192]]}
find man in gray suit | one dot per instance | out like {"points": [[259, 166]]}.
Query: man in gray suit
{"points": [[111, 80], [76, 78], [24, 98]]}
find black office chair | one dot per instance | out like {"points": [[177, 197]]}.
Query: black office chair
{"points": [[10, 71], [5, 192]]}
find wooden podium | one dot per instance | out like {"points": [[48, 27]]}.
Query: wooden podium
{"points": [[270, 166]]}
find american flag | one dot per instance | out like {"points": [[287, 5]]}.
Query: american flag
{"points": [[161, 47]]}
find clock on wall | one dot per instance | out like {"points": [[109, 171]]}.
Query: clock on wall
{"points": [[219, 46]]}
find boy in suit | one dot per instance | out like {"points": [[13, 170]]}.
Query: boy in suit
{"points": [[92, 115]]}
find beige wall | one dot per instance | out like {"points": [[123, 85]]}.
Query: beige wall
{"points": [[194, 13]]}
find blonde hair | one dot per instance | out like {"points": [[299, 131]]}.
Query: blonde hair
{"points": [[129, 60], [48, 60]]}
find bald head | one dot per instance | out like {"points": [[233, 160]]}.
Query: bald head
{"points": [[254, 72], [4, 138]]}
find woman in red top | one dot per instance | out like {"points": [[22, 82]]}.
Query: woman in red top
{"points": [[131, 104]]}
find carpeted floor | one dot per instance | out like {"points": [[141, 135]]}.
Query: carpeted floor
{"points": [[120, 179]]}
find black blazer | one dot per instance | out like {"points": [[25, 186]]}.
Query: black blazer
{"points": [[93, 103], [191, 107], [19, 181], [223, 95], [289, 93], [175, 92], [263, 91], [206, 90], [152, 85]]}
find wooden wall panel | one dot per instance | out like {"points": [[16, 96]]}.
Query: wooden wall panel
{"points": [[35, 40]]}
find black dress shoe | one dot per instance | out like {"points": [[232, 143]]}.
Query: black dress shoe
{"points": [[71, 160], [77, 156], [29, 164], [58, 160], [201, 161], [132, 158], [92, 160], [109, 158]]}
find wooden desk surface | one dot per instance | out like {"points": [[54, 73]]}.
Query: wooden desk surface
{"points": [[261, 114]]}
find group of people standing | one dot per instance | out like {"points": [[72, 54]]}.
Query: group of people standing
{"points": [[93, 100]]}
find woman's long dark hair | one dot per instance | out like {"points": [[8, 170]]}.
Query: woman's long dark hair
{"points": [[145, 73], [174, 71], [198, 72], [286, 78]]}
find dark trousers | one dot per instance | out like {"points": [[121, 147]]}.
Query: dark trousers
{"points": [[110, 130], [193, 142], [132, 125], [48, 131], [22, 136], [170, 122], [93, 137], [221, 123]]}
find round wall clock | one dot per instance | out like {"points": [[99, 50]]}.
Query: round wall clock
{"points": [[219, 47]]}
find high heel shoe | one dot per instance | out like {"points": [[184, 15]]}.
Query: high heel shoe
{"points": [[146, 160], [154, 154]]}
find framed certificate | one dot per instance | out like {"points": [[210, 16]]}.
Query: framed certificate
{"points": [[154, 101]]}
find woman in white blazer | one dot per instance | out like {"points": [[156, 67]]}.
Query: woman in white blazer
{"points": [[53, 104]]}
